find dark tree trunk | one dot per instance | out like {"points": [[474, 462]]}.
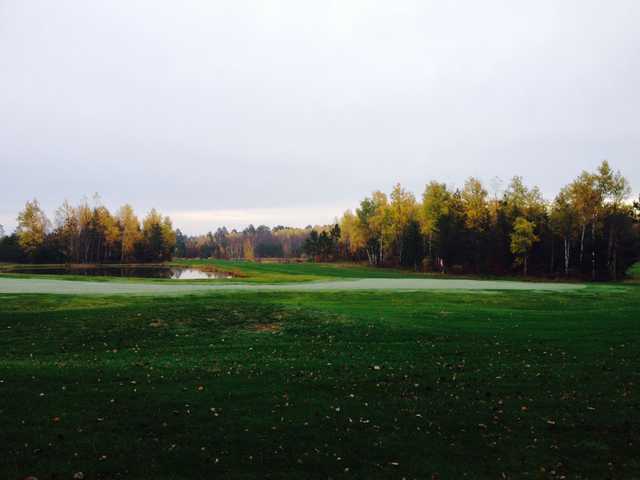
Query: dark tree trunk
{"points": [[584, 227], [567, 252], [593, 250]]}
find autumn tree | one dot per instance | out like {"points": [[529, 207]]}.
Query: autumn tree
{"points": [[522, 201], [615, 190], [67, 231], [351, 237], [168, 238], [106, 231], [476, 211], [452, 233], [522, 240], [564, 223], [380, 225], [586, 199], [85, 230], [130, 232], [32, 228], [374, 225], [247, 249], [474, 198], [435, 205], [402, 212], [158, 236]]}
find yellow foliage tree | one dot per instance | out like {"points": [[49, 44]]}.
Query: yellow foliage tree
{"points": [[129, 230], [32, 227], [247, 249]]}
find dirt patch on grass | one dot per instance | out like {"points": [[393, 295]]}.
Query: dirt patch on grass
{"points": [[266, 327]]}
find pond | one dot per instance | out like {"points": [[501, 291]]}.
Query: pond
{"points": [[137, 271]]}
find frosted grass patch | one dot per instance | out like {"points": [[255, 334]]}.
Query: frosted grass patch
{"points": [[49, 286]]}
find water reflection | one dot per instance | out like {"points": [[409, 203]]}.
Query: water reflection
{"points": [[179, 273], [136, 271]]}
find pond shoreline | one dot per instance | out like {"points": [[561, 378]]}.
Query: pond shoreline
{"points": [[120, 271]]}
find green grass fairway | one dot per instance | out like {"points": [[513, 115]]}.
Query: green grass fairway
{"points": [[296, 272], [273, 272], [431, 384]]}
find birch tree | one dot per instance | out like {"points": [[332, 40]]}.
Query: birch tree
{"points": [[564, 223], [402, 211], [380, 224], [586, 200], [614, 190], [435, 205]]}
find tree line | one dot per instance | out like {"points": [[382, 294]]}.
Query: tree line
{"points": [[589, 230], [250, 243], [88, 234]]}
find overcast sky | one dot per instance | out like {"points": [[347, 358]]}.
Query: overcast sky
{"points": [[271, 112]]}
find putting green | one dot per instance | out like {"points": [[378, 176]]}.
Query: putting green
{"points": [[22, 285]]}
